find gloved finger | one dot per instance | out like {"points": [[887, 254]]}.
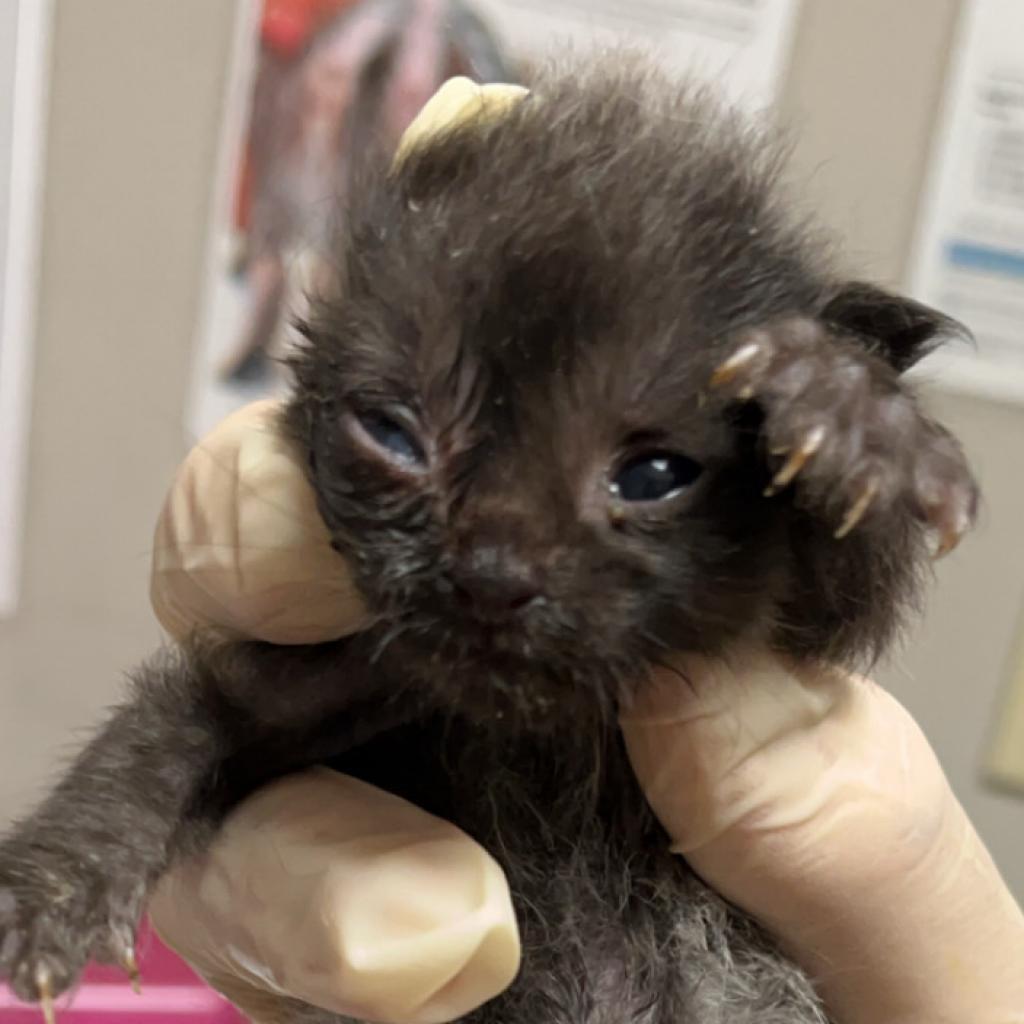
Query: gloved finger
{"points": [[325, 890], [810, 797], [240, 547]]}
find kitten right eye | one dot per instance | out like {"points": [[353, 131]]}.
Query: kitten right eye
{"points": [[394, 439], [654, 476]]}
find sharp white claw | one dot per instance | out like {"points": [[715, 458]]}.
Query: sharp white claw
{"points": [[949, 538], [858, 509], [45, 990], [741, 358], [810, 444], [131, 967]]}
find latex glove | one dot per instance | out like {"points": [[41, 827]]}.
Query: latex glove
{"points": [[811, 798], [324, 890], [240, 548]]}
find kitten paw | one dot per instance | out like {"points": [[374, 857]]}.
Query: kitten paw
{"points": [[843, 432], [53, 921]]}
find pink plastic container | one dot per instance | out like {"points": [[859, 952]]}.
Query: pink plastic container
{"points": [[171, 994]]}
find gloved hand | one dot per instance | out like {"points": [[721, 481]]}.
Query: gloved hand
{"points": [[807, 796], [810, 797]]}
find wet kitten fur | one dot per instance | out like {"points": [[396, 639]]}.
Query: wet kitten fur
{"points": [[536, 300]]}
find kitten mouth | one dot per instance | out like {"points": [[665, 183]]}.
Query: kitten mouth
{"points": [[492, 638], [544, 670], [500, 675]]}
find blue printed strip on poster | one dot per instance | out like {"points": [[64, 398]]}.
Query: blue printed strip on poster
{"points": [[1004, 262]]}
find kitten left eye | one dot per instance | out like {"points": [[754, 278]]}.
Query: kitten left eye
{"points": [[390, 435], [654, 476]]}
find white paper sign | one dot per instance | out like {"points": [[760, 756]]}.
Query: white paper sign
{"points": [[969, 258], [741, 43], [24, 34]]}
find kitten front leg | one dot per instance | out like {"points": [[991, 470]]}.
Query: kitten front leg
{"points": [[862, 479], [202, 730], [846, 435], [74, 875]]}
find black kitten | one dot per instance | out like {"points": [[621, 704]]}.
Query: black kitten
{"points": [[586, 393]]}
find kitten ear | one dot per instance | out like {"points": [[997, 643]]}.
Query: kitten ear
{"points": [[899, 329]]}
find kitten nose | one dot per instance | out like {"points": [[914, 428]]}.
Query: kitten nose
{"points": [[495, 581]]}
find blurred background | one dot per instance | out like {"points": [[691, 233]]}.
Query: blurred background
{"points": [[145, 202]]}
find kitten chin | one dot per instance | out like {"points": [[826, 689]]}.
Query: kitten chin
{"points": [[505, 689]]}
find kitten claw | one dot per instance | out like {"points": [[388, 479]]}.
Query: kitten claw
{"points": [[741, 358], [45, 995], [797, 460], [856, 511], [130, 967], [948, 542], [949, 538]]}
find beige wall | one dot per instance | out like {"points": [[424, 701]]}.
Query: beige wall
{"points": [[135, 103], [135, 106]]}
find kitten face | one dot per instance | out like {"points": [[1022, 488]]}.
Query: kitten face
{"points": [[505, 401], [511, 431], [527, 515], [525, 518]]}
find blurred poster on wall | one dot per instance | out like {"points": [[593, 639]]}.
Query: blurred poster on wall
{"points": [[969, 255], [24, 33], [314, 79]]}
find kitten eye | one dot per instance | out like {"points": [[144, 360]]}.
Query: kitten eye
{"points": [[654, 476], [396, 440]]}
